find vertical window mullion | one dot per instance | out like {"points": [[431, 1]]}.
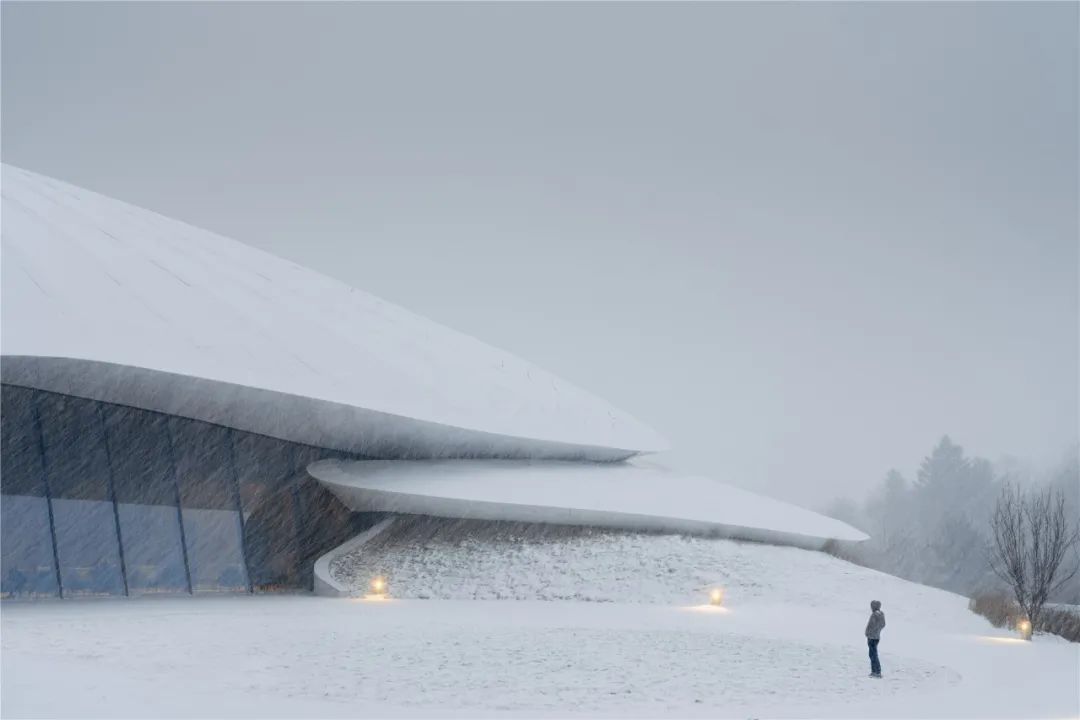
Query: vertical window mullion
{"points": [[112, 494], [48, 493], [298, 523], [239, 508], [179, 508]]}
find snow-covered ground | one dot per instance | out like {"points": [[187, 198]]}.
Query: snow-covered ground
{"points": [[789, 643]]}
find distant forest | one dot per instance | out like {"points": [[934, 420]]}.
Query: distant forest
{"points": [[934, 528]]}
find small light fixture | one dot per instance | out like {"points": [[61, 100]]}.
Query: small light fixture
{"points": [[378, 586], [1024, 626], [716, 596]]}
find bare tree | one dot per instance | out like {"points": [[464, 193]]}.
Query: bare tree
{"points": [[1032, 538]]}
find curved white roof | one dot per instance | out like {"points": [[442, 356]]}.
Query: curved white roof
{"points": [[621, 495], [109, 301]]}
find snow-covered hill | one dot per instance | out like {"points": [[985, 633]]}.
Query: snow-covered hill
{"points": [[433, 558]]}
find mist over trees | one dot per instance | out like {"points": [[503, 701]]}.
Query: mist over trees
{"points": [[935, 528]]}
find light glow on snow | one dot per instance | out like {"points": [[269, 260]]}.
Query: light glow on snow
{"points": [[998, 640], [710, 609]]}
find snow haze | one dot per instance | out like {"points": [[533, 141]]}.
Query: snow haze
{"points": [[801, 241]]}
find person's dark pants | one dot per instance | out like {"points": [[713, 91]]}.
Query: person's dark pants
{"points": [[875, 664]]}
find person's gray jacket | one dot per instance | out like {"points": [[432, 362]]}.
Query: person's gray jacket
{"points": [[875, 625]]}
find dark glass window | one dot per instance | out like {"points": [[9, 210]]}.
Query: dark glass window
{"points": [[141, 455], [265, 470], [203, 465], [336, 524], [264, 466], [270, 542], [27, 565], [142, 470], [21, 472], [77, 470], [208, 495], [76, 462]]}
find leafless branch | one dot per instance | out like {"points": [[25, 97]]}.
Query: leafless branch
{"points": [[1032, 537]]}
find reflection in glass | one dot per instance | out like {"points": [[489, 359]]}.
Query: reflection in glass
{"points": [[140, 453], [26, 552], [250, 517], [86, 544], [77, 468], [214, 550], [211, 516], [153, 554]]}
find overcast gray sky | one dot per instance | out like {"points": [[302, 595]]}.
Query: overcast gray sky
{"points": [[802, 241]]}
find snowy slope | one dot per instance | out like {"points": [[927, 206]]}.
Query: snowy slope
{"points": [[472, 560], [622, 495], [114, 302]]}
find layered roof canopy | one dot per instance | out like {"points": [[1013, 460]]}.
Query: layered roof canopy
{"points": [[116, 303]]}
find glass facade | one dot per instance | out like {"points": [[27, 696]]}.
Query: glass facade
{"points": [[27, 554], [104, 499]]}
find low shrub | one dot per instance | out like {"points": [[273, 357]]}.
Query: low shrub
{"points": [[1058, 621], [1002, 611], [998, 608]]}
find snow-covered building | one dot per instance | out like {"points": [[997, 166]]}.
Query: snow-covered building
{"points": [[184, 413]]}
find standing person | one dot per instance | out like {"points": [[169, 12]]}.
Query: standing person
{"points": [[874, 626]]}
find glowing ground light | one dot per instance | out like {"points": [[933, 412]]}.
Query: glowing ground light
{"points": [[995, 640], [378, 586], [1024, 626], [716, 596]]}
